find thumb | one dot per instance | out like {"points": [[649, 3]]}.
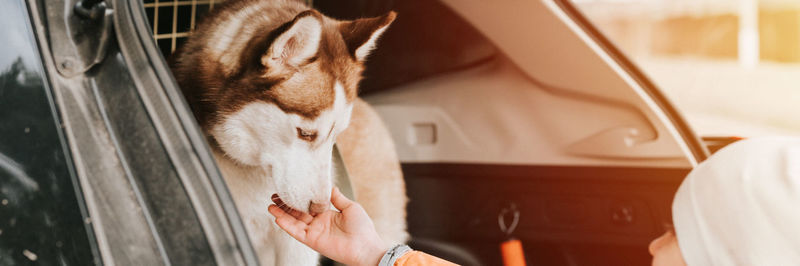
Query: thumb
{"points": [[340, 201]]}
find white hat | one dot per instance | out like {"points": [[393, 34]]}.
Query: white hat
{"points": [[742, 206]]}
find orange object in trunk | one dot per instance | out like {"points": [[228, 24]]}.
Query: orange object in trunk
{"points": [[512, 253]]}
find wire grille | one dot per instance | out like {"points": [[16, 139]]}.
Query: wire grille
{"points": [[173, 21]]}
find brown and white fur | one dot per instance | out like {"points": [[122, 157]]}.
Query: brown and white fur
{"points": [[273, 84]]}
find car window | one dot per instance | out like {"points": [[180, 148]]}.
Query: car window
{"points": [[42, 217], [731, 67]]}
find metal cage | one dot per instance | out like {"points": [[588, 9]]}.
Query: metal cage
{"points": [[173, 21]]}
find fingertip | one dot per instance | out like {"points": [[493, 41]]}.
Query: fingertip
{"points": [[282, 224], [340, 201], [334, 193], [275, 210], [340, 194]]}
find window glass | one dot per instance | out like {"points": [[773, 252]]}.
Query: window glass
{"points": [[42, 221], [731, 67]]}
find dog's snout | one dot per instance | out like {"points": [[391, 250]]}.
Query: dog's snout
{"points": [[315, 208]]}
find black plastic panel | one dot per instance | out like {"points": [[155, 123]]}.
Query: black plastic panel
{"points": [[567, 214]]}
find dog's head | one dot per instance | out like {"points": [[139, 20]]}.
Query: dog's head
{"points": [[291, 97]]}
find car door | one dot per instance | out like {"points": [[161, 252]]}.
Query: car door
{"points": [[122, 157]]}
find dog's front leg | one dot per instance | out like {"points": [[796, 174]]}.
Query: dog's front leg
{"points": [[290, 252]]}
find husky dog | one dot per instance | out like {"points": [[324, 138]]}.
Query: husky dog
{"points": [[273, 83]]}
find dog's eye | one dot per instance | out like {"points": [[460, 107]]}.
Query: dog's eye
{"points": [[307, 135]]}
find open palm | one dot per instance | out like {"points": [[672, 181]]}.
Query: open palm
{"points": [[348, 236]]}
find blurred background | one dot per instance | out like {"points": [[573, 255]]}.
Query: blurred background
{"points": [[731, 66]]}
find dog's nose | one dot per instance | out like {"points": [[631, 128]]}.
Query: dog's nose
{"points": [[317, 208]]}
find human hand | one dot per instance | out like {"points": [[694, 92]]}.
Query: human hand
{"points": [[348, 236]]}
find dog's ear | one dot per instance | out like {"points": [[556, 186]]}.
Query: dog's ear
{"points": [[296, 42], [360, 35]]}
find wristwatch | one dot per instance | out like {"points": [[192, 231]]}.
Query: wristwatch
{"points": [[393, 254]]}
